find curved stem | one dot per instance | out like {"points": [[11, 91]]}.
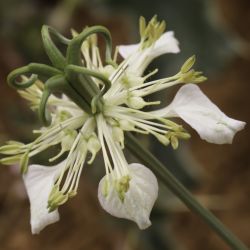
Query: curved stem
{"points": [[95, 74], [44, 115], [74, 48], [35, 69], [59, 83], [82, 83], [182, 193], [54, 54]]}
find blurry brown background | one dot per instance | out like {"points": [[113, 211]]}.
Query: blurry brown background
{"points": [[218, 33]]}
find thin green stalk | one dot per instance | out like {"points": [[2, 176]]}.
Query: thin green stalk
{"points": [[84, 71], [33, 68], [180, 191], [54, 54], [74, 48]]}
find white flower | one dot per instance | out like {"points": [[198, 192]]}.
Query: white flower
{"points": [[138, 200], [126, 191], [200, 113], [39, 182]]}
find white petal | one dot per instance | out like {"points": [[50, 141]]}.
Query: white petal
{"points": [[127, 50], [200, 113], [138, 59], [139, 199], [167, 43], [39, 181]]}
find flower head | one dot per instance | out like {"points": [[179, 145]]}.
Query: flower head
{"points": [[100, 102]]}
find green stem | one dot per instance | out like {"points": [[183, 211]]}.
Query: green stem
{"points": [[59, 83], [33, 68], [95, 74], [74, 48], [54, 54], [83, 84], [43, 114], [180, 191]]}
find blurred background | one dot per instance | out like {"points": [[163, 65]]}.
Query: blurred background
{"points": [[217, 32]]}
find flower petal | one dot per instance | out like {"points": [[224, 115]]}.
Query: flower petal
{"points": [[127, 50], [139, 199], [200, 113], [167, 43], [139, 59], [39, 181]]}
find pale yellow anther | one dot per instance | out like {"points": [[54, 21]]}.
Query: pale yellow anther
{"points": [[122, 186], [151, 32], [188, 64], [162, 139], [142, 26], [174, 142], [56, 198]]}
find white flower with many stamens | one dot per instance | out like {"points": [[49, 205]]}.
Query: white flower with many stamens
{"points": [[127, 190]]}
